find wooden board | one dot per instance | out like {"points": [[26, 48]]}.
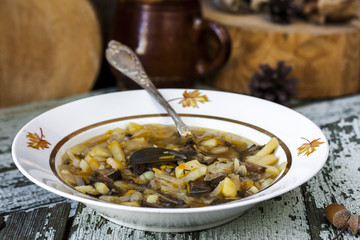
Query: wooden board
{"points": [[49, 49], [297, 214], [324, 58], [41, 223]]}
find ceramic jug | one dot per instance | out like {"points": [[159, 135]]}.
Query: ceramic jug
{"points": [[174, 43]]}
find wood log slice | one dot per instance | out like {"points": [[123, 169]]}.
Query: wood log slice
{"points": [[49, 49], [326, 59]]}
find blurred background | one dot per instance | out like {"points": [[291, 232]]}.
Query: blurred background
{"points": [[274, 49]]}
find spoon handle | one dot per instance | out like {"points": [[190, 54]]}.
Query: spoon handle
{"points": [[125, 60]]}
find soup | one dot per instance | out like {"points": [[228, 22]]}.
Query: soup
{"points": [[208, 168]]}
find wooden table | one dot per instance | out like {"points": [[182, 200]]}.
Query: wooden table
{"points": [[31, 212]]}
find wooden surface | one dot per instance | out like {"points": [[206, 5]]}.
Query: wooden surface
{"points": [[49, 49], [324, 58], [297, 214], [47, 223]]}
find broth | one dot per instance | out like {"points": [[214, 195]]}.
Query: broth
{"points": [[210, 167]]}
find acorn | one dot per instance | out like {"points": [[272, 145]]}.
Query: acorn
{"points": [[354, 224], [337, 215]]}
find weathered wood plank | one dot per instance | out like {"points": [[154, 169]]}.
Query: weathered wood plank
{"points": [[41, 223], [338, 179], [18, 193], [330, 110], [6, 162], [272, 216]]}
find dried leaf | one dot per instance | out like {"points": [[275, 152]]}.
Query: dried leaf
{"points": [[191, 98], [309, 147], [36, 141]]}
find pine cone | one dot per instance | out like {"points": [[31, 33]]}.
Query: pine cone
{"points": [[273, 84], [281, 11]]}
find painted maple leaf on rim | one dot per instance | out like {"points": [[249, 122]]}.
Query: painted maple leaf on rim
{"points": [[36, 141], [309, 147], [191, 98]]}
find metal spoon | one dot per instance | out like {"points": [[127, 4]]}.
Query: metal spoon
{"points": [[125, 60]]}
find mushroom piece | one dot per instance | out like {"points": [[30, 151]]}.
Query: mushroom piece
{"points": [[215, 178], [253, 149], [188, 151], [139, 169], [107, 175], [190, 142], [199, 187], [253, 167], [152, 205], [210, 161], [170, 199]]}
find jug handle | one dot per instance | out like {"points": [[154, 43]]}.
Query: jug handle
{"points": [[223, 53]]}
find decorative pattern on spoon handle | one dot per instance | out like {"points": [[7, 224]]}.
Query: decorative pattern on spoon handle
{"points": [[125, 60]]}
